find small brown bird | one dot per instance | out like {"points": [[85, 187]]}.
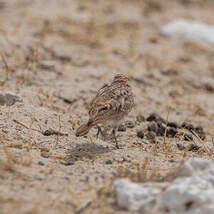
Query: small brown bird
{"points": [[109, 107]]}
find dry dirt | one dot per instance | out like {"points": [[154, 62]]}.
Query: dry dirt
{"points": [[55, 55]]}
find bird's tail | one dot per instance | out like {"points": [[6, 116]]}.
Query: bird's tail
{"points": [[83, 129]]}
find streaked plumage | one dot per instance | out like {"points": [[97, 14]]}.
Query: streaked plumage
{"points": [[111, 104]]}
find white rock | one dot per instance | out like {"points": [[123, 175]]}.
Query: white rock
{"points": [[190, 30], [9, 98], [185, 194], [133, 196], [193, 193]]}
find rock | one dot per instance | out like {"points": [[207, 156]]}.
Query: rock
{"points": [[152, 117], [151, 135], [45, 154], [129, 124], [46, 65], [140, 118], [41, 163], [9, 98], [189, 30], [193, 147], [122, 159], [121, 128], [208, 87], [199, 130], [171, 132], [140, 134], [133, 196], [172, 124], [108, 162], [68, 162], [161, 129], [191, 192], [187, 126], [155, 117], [188, 137], [202, 136], [39, 177], [180, 146], [153, 127]]}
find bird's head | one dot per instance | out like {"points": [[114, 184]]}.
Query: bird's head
{"points": [[121, 78]]}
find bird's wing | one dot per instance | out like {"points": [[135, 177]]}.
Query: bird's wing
{"points": [[102, 111]]}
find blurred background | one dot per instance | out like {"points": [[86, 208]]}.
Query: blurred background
{"points": [[166, 46], [55, 54]]}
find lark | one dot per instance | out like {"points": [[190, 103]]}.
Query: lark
{"points": [[109, 107]]}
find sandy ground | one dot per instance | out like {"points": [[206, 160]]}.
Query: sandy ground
{"points": [[57, 54]]}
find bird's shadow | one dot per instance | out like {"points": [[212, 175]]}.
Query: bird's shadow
{"points": [[85, 151]]}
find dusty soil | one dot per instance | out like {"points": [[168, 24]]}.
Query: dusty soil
{"points": [[55, 56]]}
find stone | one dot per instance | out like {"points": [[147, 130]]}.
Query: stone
{"points": [[155, 117], [9, 98], [188, 137], [189, 30], [191, 192], [150, 135], [45, 154], [172, 124], [171, 132], [153, 127], [193, 147], [129, 124], [180, 146], [140, 134], [41, 163], [140, 118], [121, 128], [108, 161]]}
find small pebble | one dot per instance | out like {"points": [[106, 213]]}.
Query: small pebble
{"points": [[41, 163], [39, 177], [183, 125], [85, 179], [187, 126], [188, 137], [194, 147], [199, 129], [153, 127], [161, 129], [202, 136], [69, 162], [140, 118], [173, 125], [108, 162], [122, 159], [122, 128], [155, 117], [45, 154], [140, 134], [180, 146], [129, 124], [171, 132], [152, 117], [209, 87], [151, 135]]}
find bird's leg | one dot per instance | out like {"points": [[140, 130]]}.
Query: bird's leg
{"points": [[99, 130], [115, 138]]}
